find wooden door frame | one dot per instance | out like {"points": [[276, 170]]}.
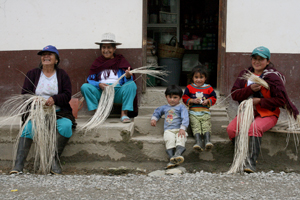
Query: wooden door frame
{"points": [[144, 45], [221, 46]]}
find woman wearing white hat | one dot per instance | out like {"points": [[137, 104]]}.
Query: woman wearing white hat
{"points": [[106, 70]]}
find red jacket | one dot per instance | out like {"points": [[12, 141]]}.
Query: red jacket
{"points": [[269, 104], [208, 93]]}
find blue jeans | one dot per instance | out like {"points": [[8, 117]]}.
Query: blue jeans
{"points": [[124, 95]]}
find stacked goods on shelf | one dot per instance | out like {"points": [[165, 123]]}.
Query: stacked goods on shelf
{"points": [[151, 60], [151, 48]]}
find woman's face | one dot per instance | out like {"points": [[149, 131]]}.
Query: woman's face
{"points": [[108, 51], [259, 64], [48, 58]]}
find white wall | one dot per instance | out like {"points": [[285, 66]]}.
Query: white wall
{"points": [[270, 23], [68, 24]]}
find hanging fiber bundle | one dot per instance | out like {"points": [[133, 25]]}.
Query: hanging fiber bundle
{"points": [[107, 98], [43, 120], [245, 117]]}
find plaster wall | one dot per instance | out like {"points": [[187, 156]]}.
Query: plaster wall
{"points": [[72, 26], [270, 23], [68, 24]]}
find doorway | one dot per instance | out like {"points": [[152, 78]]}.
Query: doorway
{"points": [[199, 28]]}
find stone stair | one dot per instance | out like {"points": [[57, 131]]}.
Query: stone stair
{"points": [[155, 97], [114, 141], [139, 145], [152, 137]]}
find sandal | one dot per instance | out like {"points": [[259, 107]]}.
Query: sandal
{"points": [[125, 119]]}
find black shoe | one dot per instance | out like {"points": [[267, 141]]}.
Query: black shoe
{"points": [[208, 144], [178, 158], [22, 153], [199, 146], [170, 165], [233, 142], [254, 149], [170, 153], [61, 143]]}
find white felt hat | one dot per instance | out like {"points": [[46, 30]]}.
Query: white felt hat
{"points": [[108, 38]]}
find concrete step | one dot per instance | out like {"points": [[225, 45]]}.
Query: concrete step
{"points": [[215, 111], [155, 96], [114, 144], [94, 142], [142, 125], [154, 147]]}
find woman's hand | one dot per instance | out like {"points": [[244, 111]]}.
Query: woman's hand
{"points": [[102, 86], [128, 74], [181, 133], [256, 101], [50, 102], [255, 87]]}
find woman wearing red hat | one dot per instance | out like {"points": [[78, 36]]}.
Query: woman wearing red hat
{"points": [[52, 83]]}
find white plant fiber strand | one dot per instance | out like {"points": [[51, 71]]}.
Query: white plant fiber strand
{"points": [[250, 76], [107, 97], [245, 117], [293, 127], [43, 119]]}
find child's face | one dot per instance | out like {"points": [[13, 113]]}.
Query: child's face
{"points": [[199, 79], [173, 100]]}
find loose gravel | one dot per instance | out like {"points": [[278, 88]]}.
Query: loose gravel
{"points": [[200, 185]]}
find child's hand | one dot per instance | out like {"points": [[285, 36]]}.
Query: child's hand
{"points": [[181, 133], [153, 122], [205, 102], [196, 101]]}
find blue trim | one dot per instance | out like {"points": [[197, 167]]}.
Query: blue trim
{"points": [[204, 86]]}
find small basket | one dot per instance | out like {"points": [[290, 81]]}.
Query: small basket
{"points": [[168, 51]]}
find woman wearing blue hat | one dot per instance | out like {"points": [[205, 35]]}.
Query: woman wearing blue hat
{"points": [[266, 102], [52, 83]]}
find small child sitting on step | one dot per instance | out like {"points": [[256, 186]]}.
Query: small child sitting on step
{"points": [[175, 124]]}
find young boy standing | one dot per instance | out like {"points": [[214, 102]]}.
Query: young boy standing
{"points": [[175, 125]]}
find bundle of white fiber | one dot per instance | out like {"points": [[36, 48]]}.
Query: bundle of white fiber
{"points": [[293, 126], [107, 97], [256, 79], [43, 119], [245, 117]]}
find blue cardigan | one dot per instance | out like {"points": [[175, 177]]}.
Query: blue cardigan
{"points": [[96, 83]]}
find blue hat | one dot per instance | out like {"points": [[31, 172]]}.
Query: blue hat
{"points": [[49, 48], [262, 52]]}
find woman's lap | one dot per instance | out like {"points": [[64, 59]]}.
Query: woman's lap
{"points": [[63, 125], [261, 125], [124, 95]]}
